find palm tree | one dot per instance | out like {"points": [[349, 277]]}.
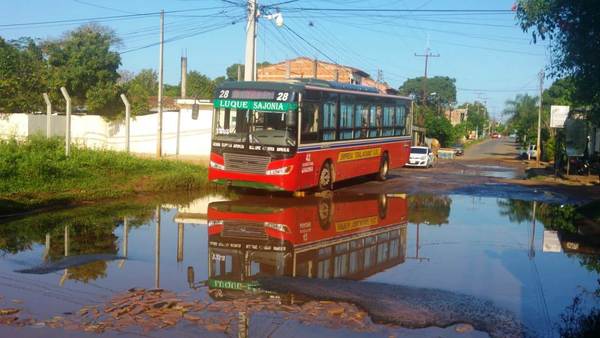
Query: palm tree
{"points": [[523, 112]]}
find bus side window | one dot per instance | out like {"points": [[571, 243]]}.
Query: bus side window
{"points": [[310, 123], [364, 133], [329, 121], [388, 120], [346, 121], [373, 122], [358, 120], [400, 120]]}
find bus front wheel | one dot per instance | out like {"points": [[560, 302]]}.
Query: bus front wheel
{"points": [[384, 168], [325, 177]]}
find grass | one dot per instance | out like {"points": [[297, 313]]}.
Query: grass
{"points": [[35, 173]]}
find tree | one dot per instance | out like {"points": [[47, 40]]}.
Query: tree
{"points": [[523, 117], [84, 63], [200, 86], [574, 34], [232, 71], [22, 76], [438, 126], [477, 116], [139, 89], [561, 92], [444, 88]]}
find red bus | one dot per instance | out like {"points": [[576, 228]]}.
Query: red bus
{"points": [[296, 135], [350, 237]]}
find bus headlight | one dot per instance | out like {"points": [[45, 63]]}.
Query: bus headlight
{"points": [[277, 226], [216, 165], [280, 171]]}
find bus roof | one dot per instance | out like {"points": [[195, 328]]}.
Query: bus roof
{"points": [[300, 85]]}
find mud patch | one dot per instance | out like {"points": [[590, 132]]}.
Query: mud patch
{"points": [[407, 306]]}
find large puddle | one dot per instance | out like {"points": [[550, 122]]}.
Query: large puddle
{"points": [[357, 265]]}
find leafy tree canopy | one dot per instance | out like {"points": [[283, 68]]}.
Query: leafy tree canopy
{"points": [[200, 86], [523, 117], [84, 63], [574, 34], [232, 71], [139, 89], [19, 60], [438, 126], [444, 88]]}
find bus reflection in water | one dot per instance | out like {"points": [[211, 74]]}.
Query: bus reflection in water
{"points": [[351, 237]]}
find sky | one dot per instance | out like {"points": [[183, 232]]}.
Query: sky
{"points": [[490, 57]]}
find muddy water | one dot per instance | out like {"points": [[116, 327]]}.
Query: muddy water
{"points": [[360, 265]]}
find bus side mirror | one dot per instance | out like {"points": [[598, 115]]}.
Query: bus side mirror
{"points": [[195, 109], [290, 119]]}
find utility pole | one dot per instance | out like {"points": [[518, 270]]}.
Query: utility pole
{"points": [[160, 86], [183, 96], [538, 149], [127, 121], [379, 76], [48, 115], [68, 121], [250, 56], [184, 76], [427, 55], [157, 249]]}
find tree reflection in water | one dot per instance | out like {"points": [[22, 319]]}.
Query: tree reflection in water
{"points": [[576, 323], [429, 209], [579, 235], [90, 231]]}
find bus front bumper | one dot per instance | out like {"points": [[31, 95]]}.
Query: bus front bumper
{"points": [[247, 184]]}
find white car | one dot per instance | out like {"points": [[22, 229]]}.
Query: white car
{"points": [[528, 152], [420, 157]]}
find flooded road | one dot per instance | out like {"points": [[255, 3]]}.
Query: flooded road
{"points": [[347, 265]]}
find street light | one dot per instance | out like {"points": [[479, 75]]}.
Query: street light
{"points": [[277, 17], [250, 55]]}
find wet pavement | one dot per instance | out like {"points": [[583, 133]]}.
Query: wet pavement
{"points": [[351, 265]]}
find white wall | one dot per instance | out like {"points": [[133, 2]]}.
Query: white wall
{"points": [[14, 125], [94, 132]]}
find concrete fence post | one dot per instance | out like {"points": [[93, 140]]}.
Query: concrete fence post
{"points": [[68, 122], [178, 136], [127, 121], [48, 115]]}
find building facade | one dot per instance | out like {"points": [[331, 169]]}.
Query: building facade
{"points": [[303, 67]]}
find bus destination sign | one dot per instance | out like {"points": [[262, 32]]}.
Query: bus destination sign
{"points": [[252, 94], [255, 105]]}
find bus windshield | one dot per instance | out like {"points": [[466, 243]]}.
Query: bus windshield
{"points": [[256, 127]]}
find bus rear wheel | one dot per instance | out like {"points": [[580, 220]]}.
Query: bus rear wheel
{"points": [[325, 177], [384, 168]]}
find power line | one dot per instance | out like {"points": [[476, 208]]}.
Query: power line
{"points": [[393, 10], [310, 44], [427, 55], [196, 32], [495, 90], [102, 7], [102, 18]]}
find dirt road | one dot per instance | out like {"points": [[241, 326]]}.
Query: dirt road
{"points": [[492, 149], [489, 168]]}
